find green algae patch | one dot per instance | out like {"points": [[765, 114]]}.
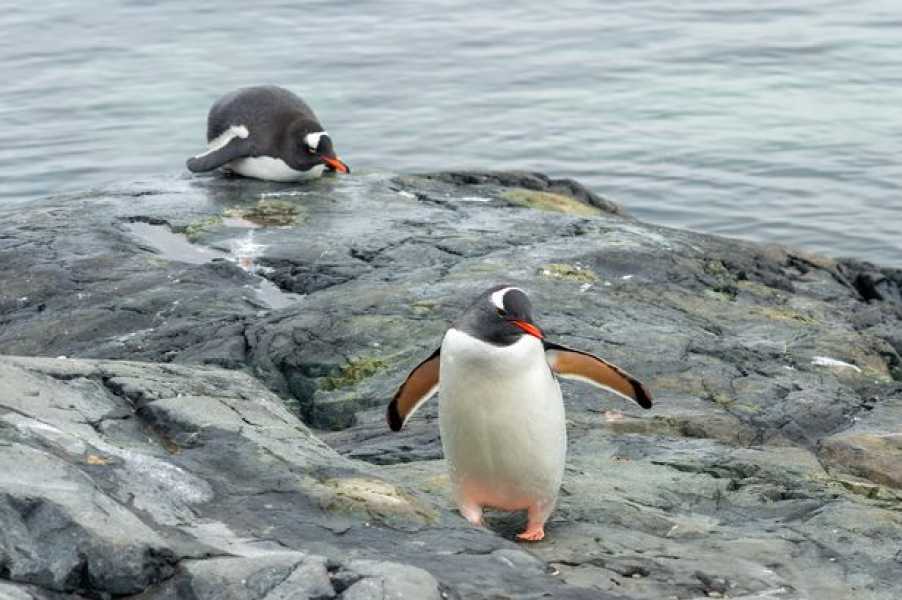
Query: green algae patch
{"points": [[716, 268], [750, 409], [549, 201], [724, 280], [195, 229], [860, 487], [156, 261], [779, 313], [423, 307], [760, 290], [567, 272], [352, 373], [719, 296], [378, 499], [721, 399], [266, 213]]}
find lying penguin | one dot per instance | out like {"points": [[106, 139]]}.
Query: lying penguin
{"points": [[268, 133], [501, 414]]}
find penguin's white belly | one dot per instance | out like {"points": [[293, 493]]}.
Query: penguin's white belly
{"points": [[271, 169], [502, 422]]}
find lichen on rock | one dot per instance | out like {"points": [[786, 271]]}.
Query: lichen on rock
{"points": [[378, 499], [196, 228], [568, 272], [267, 213], [352, 373], [548, 201]]}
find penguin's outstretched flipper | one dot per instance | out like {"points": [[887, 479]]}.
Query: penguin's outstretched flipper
{"points": [[231, 145], [420, 385], [574, 364]]}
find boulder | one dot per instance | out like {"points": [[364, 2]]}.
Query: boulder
{"points": [[196, 370]]}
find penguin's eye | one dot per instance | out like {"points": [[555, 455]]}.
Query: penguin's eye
{"points": [[501, 312]]}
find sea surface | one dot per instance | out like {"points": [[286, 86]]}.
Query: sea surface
{"points": [[775, 121]]}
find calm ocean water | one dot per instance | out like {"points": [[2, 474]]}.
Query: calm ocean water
{"points": [[775, 121]]}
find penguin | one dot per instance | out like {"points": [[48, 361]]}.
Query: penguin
{"points": [[501, 413], [266, 132]]}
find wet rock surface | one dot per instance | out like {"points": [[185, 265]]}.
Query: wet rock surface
{"points": [[207, 322]]}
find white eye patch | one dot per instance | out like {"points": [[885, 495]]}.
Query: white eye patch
{"points": [[312, 139], [498, 297]]}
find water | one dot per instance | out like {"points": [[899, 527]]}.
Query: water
{"points": [[775, 121]]}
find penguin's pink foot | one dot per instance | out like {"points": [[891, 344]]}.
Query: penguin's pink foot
{"points": [[537, 514], [532, 534], [473, 514]]}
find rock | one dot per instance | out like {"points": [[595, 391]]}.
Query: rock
{"points": [[391, 580], [172, 481], [551, 194], [873, 282], [871, 449], [218, 428], [60, 535], [874, 457]]}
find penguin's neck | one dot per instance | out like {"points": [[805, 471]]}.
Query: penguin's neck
{"points": [[466, 351]]}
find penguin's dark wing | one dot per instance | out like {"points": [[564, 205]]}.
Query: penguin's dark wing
{"points": [[236, 147], [574, 364], [420, 385]]}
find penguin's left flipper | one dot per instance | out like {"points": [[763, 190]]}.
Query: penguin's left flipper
{"points": [[237, 147], [574, 364], [421, 384]]}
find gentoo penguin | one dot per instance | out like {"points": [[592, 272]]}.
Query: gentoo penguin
{"points": [[501, 414], [266, 132]]}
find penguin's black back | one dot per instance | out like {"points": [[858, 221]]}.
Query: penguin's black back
{"points": [[265, 110]]}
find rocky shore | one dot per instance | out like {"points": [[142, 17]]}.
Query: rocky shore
{"points": [[194, 373]]}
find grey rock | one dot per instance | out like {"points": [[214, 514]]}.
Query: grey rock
{"points": [[12, 591], [217, 430], [392, 581], [222, 494], [366, 589], [309, 581]]}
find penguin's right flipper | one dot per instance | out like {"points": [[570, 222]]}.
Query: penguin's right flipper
{"points": [[237, 147], [421, 384]]}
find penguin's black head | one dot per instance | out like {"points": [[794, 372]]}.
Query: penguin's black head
{"points": [[311, 146], [501, 315]]}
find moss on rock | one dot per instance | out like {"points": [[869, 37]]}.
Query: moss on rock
{"points": [[193, 230], [567, 272], [378, 499], [779, 313], [548, 201], [422, 307], [352, 373], [267, 213]]}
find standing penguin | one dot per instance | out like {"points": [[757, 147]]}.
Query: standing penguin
{"points": [[266, 132], [501, 414]]}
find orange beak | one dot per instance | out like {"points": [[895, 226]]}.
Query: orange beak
{"points": [[335, 164], [529, 328]]}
